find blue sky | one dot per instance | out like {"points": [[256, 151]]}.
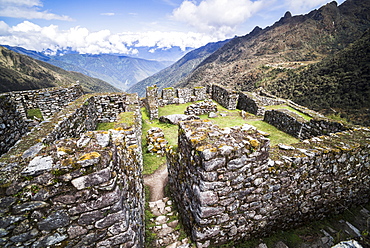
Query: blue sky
{"points": [[118, 26]]}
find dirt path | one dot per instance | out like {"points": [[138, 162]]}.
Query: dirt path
{"points": [[156, 182]]}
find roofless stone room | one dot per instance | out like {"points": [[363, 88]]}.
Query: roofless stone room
{"points": [[185, 124]]}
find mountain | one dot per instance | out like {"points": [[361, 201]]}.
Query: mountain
{"points": [[120, 71], [338, 84], [21, 72], [309, 37], [179, 70]]}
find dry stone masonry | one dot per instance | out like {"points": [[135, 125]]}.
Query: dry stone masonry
{"points": [[79, 192], [225, 97], [64, 184], [85, 191], [201, 108], [171, 96], [48, 100], [151, 102], [14, 106], [12, 124], [254, 103], [295, 125], [229, 185], [155, 141]]}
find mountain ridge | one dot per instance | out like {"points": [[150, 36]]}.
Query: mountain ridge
{"points": [[118, 70], [293, 38], [21, 72], [168, 76]]}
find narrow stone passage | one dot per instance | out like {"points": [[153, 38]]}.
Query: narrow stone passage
{"points": [[166, 222], [156, 182]]}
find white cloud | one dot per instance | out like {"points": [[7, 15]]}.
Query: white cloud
{"points": [[217, 16], [4, 28], [35, 37], [28, 9], [107, 14]]}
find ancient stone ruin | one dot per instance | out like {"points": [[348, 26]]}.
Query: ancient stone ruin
{"points": [[201, 108], [65, 184], [231, 185]]}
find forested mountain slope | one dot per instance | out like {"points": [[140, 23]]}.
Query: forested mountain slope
{"points": [[309, 37], [339, 83]]}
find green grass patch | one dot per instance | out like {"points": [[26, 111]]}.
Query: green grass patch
{"points": [[126, 118], [338, 117], [173, 109], [276, 136], [306, 117], [231, 118], [105, 126], [153, 161], [36, 112]]}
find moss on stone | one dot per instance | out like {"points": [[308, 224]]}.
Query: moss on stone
{"points": [[90, 155]]}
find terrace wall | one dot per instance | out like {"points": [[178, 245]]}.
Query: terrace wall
{"points": [[295, 125], [254, 104]]}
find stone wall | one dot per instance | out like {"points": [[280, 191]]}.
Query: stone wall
{"points": [[295, 125], [230, 186], [254, 103], [12, 124], [171, 96], [110, 105], [201, 108], [225, 97], [151, 102], [168, 96], [180, 95], [74, 192], [48, 100]]}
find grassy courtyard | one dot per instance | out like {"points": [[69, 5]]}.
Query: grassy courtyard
{"points": [[230, 118]]}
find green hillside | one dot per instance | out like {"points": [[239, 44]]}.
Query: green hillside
{"points": [[20, 72]]}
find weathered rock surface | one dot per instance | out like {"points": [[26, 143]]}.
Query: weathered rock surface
{"points": [[177, 118]]}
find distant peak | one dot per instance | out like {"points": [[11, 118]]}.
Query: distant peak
{"points": [[287, 14], [256, 30]]}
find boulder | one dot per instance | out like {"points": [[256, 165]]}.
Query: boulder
{"points": [[176, 118]]}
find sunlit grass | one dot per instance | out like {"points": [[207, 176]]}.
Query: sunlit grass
{"points": [[276, 136], [105, 126], [231, 118], [306, 117], [36, 112]]}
